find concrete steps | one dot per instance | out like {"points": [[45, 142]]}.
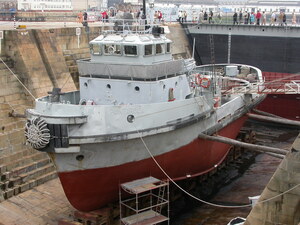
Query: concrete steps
{"points": [[24, 170], [71, 56]]}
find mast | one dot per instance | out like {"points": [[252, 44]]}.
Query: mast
{"points": [[144, 9]]}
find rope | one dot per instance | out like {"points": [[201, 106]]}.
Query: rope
{"points": [[66, 81], [17, 78], [201, 200]]}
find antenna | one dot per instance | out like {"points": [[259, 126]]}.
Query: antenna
{"points": [[144, 9], [193, 55]]}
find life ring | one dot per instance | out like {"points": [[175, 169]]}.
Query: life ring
{"points": [[111, 49], [82, 102], [204, 82], [90, 102]]}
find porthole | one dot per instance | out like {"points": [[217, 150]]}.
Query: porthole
{"points": [[108, 86], [164, 87], [79, 157], [130, 118], [176, 84], [85, 84], [137, 88]]}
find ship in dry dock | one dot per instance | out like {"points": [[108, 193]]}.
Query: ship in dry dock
{"points": [[137, 103]]}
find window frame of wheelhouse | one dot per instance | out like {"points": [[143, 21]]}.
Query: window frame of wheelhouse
{"points": [[98, 49]]}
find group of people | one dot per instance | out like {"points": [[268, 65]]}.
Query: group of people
{"points": [[259, 18], [158, 16], [250, 18], [182, 15], [204, 17], [82, 17]]}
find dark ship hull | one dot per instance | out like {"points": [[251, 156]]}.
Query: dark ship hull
{"points": [[278, 58]]}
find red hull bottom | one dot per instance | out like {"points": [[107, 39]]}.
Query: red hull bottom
{"points": [[94, 188]]}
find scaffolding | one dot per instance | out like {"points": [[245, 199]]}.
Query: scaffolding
{"points": [[148, 202]]}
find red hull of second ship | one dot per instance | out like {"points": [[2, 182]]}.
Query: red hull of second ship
{"points": [[94, 188], [284, 105]]}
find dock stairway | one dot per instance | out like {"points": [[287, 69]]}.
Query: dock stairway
{"points": [[71, 56], [21, 167]]}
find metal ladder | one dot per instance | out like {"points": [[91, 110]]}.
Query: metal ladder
{"points": [[160, 199], [212, 61]]}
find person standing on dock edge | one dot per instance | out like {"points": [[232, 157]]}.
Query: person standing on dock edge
{"points": [[252, 18], [264, 19], [294, 20], [200, 17], [205, 17], [258, 16], [184, 16], [280, 19], [220, 17], [80, 17], [240, 17], [284, 19], [235, 18], [180, 16], [85, 19], [246, 17], [273, 19], [210, 17]]}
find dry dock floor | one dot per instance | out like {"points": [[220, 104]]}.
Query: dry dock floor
{"points": [[45, 204], [251, 184]]}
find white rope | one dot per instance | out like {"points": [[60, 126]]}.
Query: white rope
{"points": [[17, 79], [201, 200]]}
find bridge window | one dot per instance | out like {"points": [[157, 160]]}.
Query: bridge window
{"points": [[148, 50], [168, 49], [130, 50], [95, 49], [112, 49], [159, 49]]}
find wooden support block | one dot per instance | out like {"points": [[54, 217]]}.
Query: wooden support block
{"points": [[68, 222]]}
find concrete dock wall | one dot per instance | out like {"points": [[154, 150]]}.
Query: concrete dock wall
{"points": [[279, 203]]}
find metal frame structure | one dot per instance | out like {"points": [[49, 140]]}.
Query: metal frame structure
{"points": [[146, 202]]}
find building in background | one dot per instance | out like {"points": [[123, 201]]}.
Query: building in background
{"points": [[45, 5], [7, 6], [89, 4]]}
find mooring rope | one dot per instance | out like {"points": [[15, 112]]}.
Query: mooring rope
{"points": [[17, 79], [201, 200]]}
